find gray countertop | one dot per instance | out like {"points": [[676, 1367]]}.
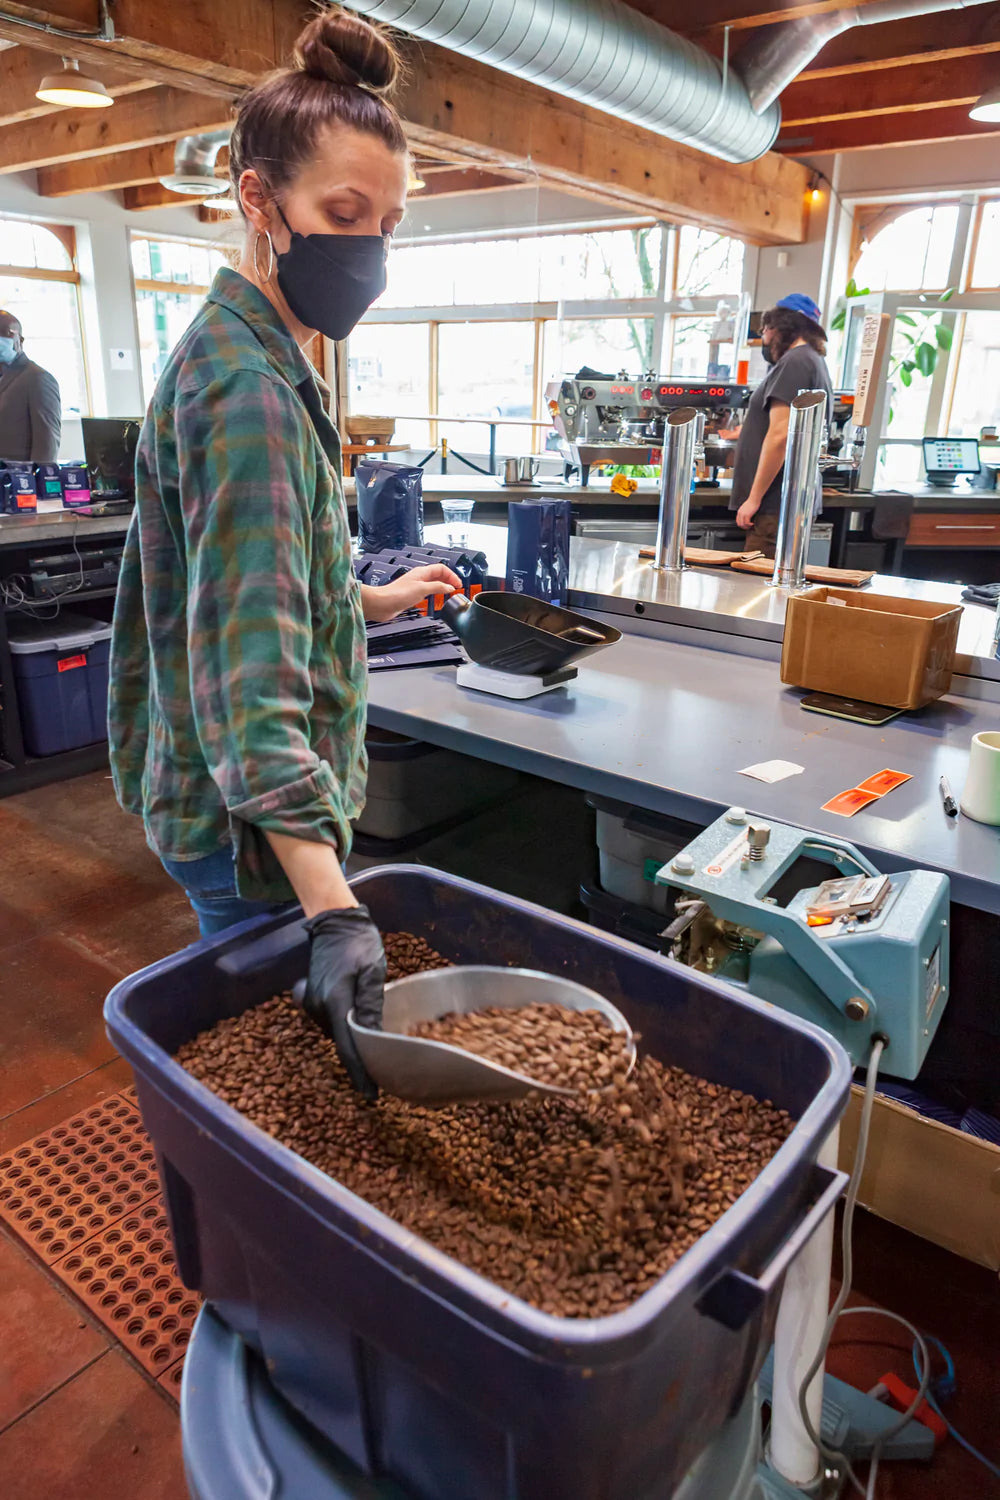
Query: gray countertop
{"points": [[480, 487], [667, 727], [56, 526]]}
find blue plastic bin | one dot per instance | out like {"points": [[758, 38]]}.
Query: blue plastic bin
{"points": [[417, 1369], [61, 672]]}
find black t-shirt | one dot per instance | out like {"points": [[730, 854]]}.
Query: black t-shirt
{"points": [[801, 369]]}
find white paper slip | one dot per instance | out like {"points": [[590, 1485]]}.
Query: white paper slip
{"points": [[773, 770]]}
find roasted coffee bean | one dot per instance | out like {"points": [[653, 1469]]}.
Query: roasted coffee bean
{"points": [[571, 1049], [564, 1202]]}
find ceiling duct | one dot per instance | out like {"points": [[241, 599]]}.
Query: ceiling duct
{"points": [[601, 53], [194, 165], [774, 55]]}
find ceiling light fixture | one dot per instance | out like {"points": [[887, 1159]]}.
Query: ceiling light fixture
{"points": [[987, 109], [195, 158], [73, 89], [415, 183]]}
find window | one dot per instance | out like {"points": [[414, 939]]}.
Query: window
{"points": [[389, 372], [486, 370], [39, 284], [478, 327], [708, 264], [974, 404], [172, 278], [536, 268], [606, 344], [986, 266], [690, 353], [908, 251]]}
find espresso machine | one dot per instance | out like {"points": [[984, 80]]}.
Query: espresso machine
{"points": [[602, 419], [840, 460]]}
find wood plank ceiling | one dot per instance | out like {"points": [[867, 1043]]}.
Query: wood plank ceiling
{"points": [[176, 69]]}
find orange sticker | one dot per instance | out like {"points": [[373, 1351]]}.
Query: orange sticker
{"points": [[883, 781], [846, 804]]}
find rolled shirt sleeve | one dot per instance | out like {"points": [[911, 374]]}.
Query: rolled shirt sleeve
{"points": [[248, 464]]}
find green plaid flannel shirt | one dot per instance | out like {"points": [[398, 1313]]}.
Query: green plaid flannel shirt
{"points": [[238, 662]]}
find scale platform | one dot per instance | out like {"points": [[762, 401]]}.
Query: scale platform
{"points": [[511, 684]]}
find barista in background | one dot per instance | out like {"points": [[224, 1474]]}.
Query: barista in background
{"points": [[30, 407], [794, 344]]}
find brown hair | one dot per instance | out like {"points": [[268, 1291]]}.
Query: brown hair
{"points": [[343, 69], [791, 326]]}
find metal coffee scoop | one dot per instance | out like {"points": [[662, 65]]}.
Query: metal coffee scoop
{"points": [[436, 1073]]}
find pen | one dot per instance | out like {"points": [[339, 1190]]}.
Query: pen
{"points": [[950, 805]]}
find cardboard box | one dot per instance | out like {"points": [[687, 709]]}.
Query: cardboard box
{"points": [[928, 1178], [899, 652]]}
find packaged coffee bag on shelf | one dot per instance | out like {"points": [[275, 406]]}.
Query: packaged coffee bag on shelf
{"points": [[390, 505], [538, 534]]}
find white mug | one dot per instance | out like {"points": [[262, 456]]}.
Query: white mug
{"points": [[981, 796]]}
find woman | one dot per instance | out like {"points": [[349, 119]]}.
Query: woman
{"points": [[238, 674], [793, 343]]}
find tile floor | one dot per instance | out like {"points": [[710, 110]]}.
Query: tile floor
{"points": [[83, 902]]}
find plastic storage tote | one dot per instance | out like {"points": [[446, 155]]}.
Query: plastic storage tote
{"points": [[414, 787], [632, 845], [243, 1442], [417, 1369], [61, 673]]}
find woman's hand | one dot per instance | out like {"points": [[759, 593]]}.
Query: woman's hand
{"points": [[385, 602]]}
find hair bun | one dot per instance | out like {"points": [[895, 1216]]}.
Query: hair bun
{"points": [[347, 50]]}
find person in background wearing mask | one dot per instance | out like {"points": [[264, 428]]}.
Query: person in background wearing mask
{"points": [[30, 406], [238, 668], [794, 344]]}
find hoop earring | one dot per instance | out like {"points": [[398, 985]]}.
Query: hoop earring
{"points": [[270, 257]]}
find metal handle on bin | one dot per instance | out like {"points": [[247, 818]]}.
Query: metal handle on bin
{"points": [[734, 1296]]}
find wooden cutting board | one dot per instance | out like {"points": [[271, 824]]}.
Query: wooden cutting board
{"points": [[845, 578], [704, 557]]}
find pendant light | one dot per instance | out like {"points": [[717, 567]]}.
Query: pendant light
{"points": [[987, 108], [73, 89]]}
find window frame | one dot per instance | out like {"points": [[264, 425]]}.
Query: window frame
{"points": [[66, 234]]}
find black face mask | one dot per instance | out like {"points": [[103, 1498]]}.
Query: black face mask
{"points": [[331, 280], [770, 358]]}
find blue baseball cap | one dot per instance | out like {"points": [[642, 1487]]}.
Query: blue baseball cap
{"points": [[800, 303]]}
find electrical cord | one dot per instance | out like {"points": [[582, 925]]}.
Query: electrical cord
{"points": [[839, 1308], [948, 1381], [103, 33], [12, 588]]}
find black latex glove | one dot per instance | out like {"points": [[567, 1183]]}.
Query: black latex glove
{"points": [[346, 972]]}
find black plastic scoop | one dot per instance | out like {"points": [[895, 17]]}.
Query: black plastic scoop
{"points": [[526, 636]]}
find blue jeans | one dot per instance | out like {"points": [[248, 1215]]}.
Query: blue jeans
{"points": [[210, 886]]}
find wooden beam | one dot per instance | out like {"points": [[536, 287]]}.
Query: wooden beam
{"points": [[143, 120], [154, 195], [896, 91], [456, 105], [114, 172], [102, 174], [21, 71], [918, 127], [207, 214], [449, 184], [455, 108], [929, 39], [740, 14], [187, 44]]}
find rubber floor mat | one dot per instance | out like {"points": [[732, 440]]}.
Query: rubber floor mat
{"points": [[85, 1197]]}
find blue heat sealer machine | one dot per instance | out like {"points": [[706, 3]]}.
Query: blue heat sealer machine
{"points": [[864, 955], [861, 954]]}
